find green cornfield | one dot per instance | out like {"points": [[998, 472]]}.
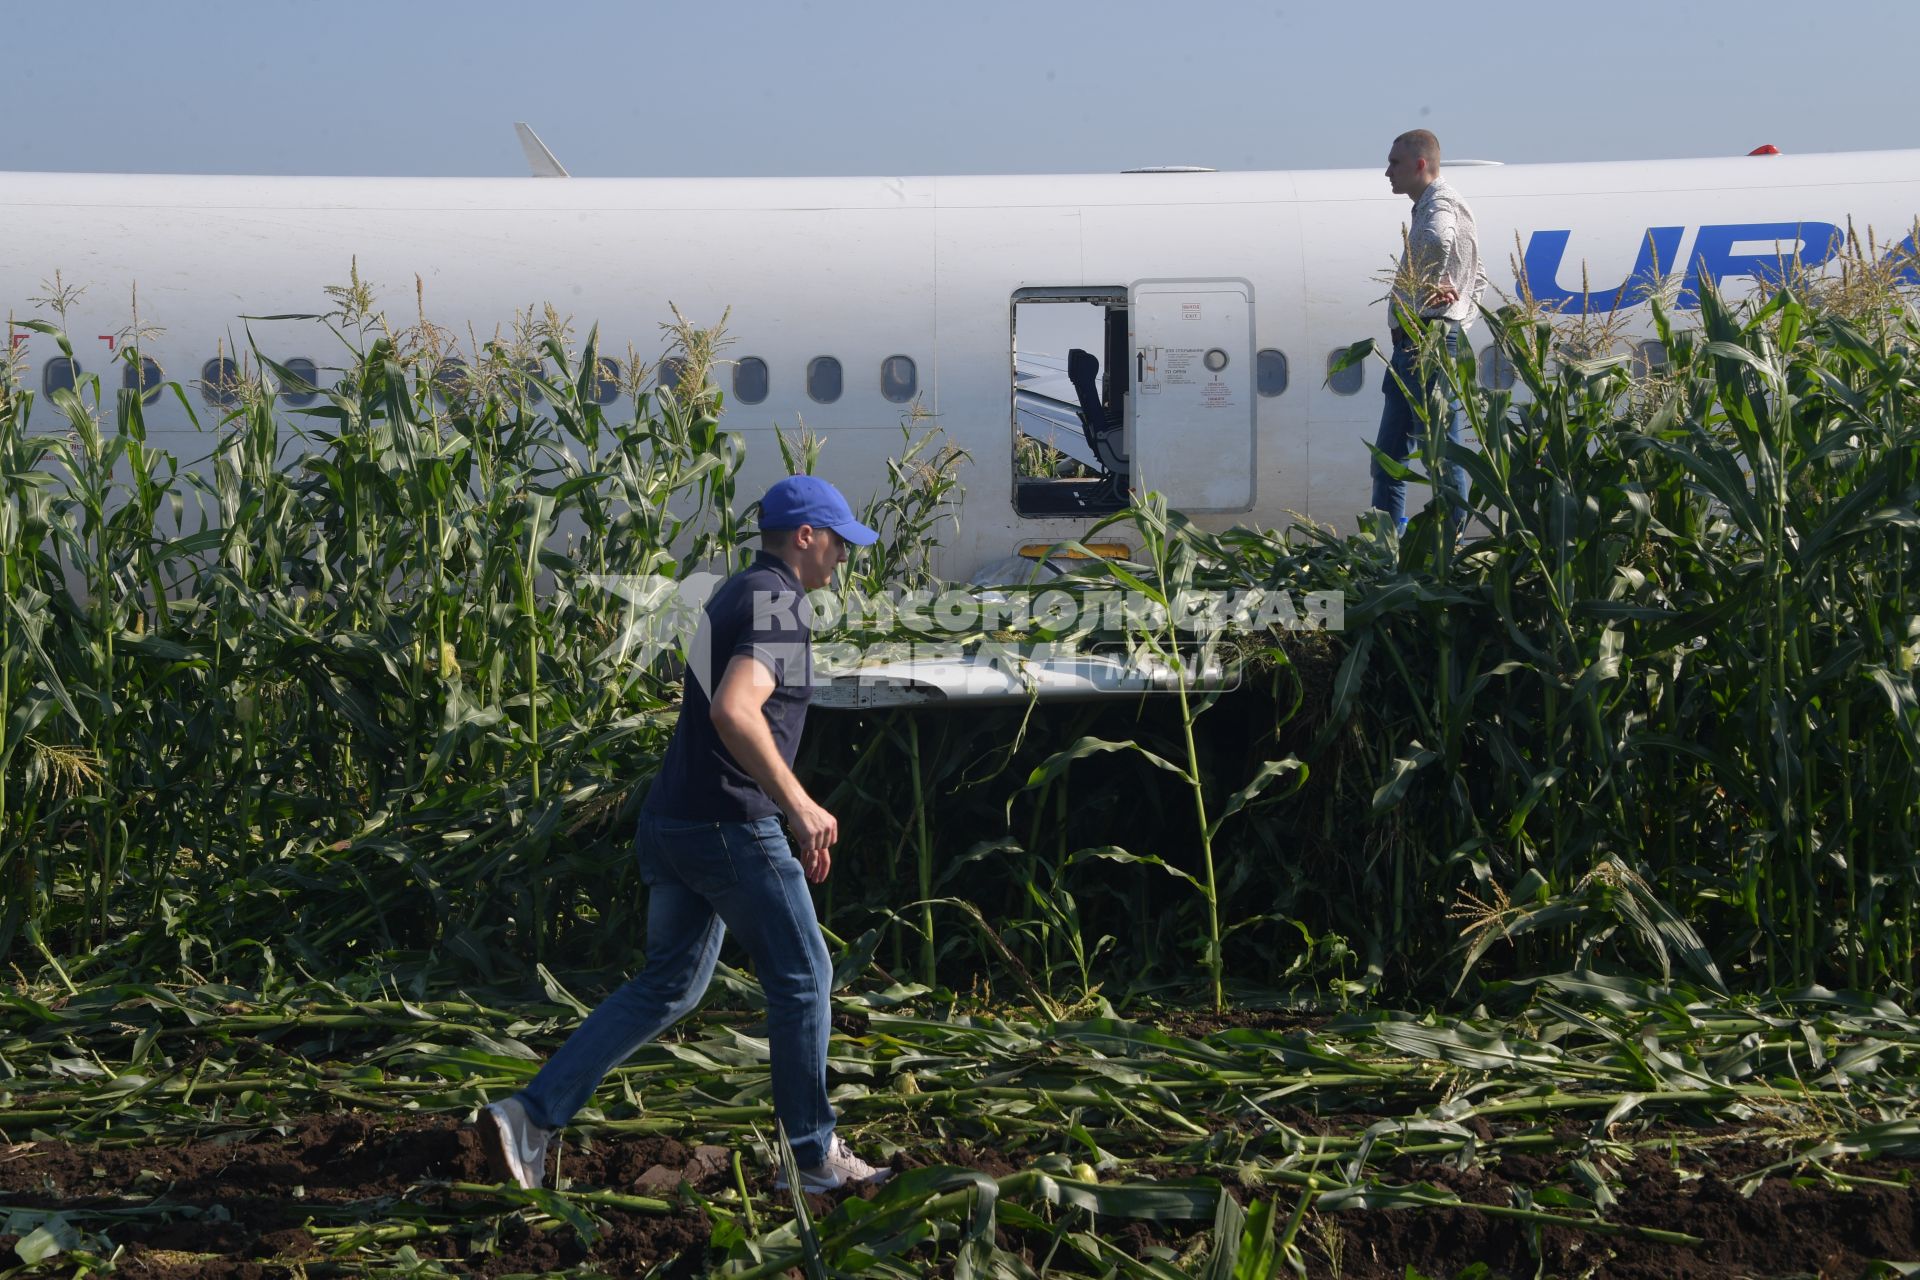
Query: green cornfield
{"points": [[352, 695], [338, 729]]}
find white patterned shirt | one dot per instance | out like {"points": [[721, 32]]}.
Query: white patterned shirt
{"points": [[1444, 249]]}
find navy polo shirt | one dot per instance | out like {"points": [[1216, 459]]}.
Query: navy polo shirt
{"points": [[759, 612]]}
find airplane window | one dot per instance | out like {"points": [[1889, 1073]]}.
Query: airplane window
{"points": [[532, 367], [147, 379], [750, 380], [60, 375], [1350, 379], [1496, 369], [309, 373], [220, 383], [606, 381], [823, 379], [1270, 372], [450, 379], [668, 375], [899, 379]]}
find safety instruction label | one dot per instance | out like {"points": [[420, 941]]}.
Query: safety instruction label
{"points": [[1185, 368], [1183, 365]]}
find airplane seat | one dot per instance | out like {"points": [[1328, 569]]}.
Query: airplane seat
{"points": [[1103, 427]]}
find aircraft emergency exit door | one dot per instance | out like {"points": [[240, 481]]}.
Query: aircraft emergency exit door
{"points": [[1191, 409]]}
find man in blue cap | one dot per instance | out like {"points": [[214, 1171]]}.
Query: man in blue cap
{"points": [[714, 858]]}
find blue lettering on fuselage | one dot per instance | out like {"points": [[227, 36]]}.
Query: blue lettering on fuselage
{"points": [[1803, 245], [1659, 250], [1906, 255], [1791, 246]]}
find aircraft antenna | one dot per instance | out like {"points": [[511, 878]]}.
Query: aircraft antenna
{"points": [[539, 159]]}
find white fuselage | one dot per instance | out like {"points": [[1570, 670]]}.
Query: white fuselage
{"points": [[866, 269]]}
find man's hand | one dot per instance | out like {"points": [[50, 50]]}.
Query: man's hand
{"points": [[816, 865], [1443, 295], [814, 833]]}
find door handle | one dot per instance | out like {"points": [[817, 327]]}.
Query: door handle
{"points": [[1140, 366]]}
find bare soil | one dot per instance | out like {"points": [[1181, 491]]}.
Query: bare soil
{"points": [[1781, 1230], [271, 1190]]}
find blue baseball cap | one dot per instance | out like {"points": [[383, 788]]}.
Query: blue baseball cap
{"points": [[809, 500]]}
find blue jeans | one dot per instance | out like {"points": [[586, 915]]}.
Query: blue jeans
{"points": [[706, 878], [1402, 433]]}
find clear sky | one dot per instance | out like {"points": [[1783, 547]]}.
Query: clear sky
{"points": [[764, 87]]}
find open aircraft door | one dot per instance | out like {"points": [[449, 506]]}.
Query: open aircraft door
{"points": [[1191, 414]]}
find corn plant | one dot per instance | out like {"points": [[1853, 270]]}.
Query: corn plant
{"points": [[348, 688], [362, 668], [1655, 708]]}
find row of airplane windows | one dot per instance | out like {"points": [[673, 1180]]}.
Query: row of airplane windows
{"points": [[899, 376]]}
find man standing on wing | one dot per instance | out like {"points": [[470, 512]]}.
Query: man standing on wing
{"points": [[714, 858], [1439, 282]]}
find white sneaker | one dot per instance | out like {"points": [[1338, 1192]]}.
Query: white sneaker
{"points": [[515, 1148], [841, 1168]]}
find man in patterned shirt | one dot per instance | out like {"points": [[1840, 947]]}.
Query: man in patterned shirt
{"points": [[1439, 282]]}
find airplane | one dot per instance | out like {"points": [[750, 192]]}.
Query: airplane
{"points": [[1168, 329]]}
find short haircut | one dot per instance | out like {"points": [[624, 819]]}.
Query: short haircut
{"points": [[781, 539], [1422, 144]]}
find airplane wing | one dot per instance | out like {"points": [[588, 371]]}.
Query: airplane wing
{"points": [[1010, 680], [1053, 422], [1047, 408]]}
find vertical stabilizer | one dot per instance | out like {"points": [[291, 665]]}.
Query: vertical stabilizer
{"points": [[540, 160]]}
